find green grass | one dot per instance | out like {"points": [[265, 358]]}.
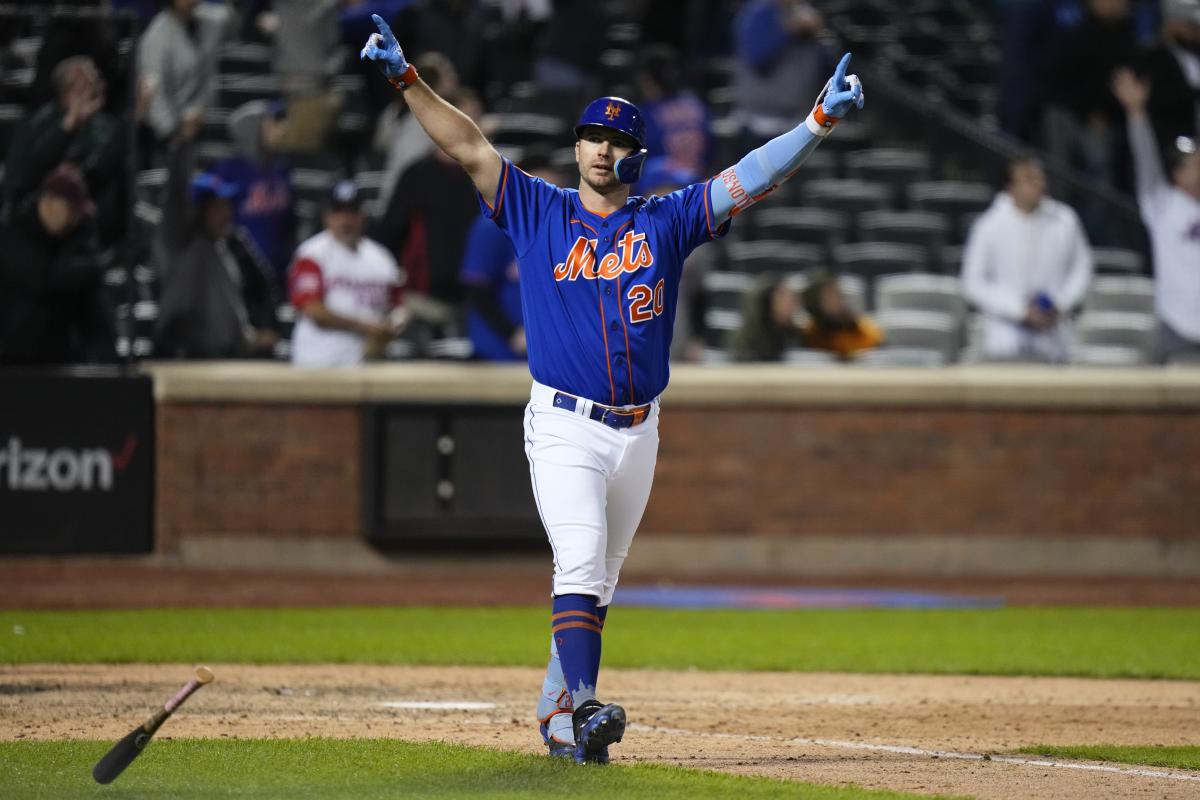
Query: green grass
{"points": [[363, 769], [1140, 643], [1181, 757]]}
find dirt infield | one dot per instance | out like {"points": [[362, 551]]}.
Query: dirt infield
{"points": [[871, 730]]}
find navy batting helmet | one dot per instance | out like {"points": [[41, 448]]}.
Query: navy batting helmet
{"points": [[615, 113], [618, 114]]}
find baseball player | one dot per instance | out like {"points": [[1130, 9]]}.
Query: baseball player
{"points": [[599, 277]]}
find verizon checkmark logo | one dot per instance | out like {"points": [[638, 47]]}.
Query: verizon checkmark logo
{"points": [[62, 469]]}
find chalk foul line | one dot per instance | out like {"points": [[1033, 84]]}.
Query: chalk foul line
{"points": [[917, 751]]}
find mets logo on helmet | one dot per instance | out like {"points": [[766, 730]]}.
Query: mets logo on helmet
{"points": [[612, 111]]}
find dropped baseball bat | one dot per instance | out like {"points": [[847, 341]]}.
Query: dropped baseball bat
{"points": [[125, 751]]}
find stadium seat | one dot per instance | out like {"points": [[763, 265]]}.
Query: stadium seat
{"points": [[851, 197], [921, 291], [951, 259], [1108, 356], [1115, 329], [1117, 261], [952, 198], [928, 229], [854, 289], [852, 134], [522, 128], [313, 184], [233, 89], [872, 259], [894, 356], [808, 357], [810, 225], [10, 116], [724, 293], [1133, 293], [452, 347], [896, 167], [923, 330], [773, 256], [820, 164], [214, 125], [245, 57]]}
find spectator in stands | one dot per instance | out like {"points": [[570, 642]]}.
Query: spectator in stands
{"points": [[265, 208], [177, 57], [50, 278], [1171, 211], [568, 53], [91, 33], [782, 64], [772, 323], [677, 122], [398, 134], [1083, 124], [1173, 70], [426, 224], [489, 274], [1026, 265], [71, 127], [1026, 29], [346, 289], [218, 293], [832, 323], [306, 37]]}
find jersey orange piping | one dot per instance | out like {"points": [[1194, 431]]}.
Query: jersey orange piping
{"points": [[620, 294], [612, 388], [503, 183]]}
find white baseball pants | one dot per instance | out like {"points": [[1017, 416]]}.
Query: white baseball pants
{"points": [[591, 483]]}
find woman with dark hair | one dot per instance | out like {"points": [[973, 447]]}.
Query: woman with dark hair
{"points": [[772, 323]]}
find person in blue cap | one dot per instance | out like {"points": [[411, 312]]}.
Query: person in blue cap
{"points": [[218, 291], [600, 273]]}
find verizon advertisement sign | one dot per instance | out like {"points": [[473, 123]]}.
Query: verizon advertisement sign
{"points": [[76, 462]]}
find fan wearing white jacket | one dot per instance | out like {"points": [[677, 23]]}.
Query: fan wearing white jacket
{"points": [[1026, 265]]}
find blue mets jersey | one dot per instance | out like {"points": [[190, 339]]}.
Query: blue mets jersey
{"points": [[598, 293]]}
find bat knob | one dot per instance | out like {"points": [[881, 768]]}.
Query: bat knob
{"points": [[204, 675]]}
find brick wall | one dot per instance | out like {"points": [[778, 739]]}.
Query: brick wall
{"points": [[927, 471], [261, 469], [280, 470]]}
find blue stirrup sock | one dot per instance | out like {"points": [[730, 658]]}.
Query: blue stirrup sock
{"points": [[576, 623]]}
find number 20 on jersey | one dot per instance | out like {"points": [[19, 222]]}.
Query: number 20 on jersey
{"points": [[645, 303]]}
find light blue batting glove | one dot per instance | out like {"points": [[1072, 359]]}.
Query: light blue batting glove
{"points": [[842, 91], [384, 50]]}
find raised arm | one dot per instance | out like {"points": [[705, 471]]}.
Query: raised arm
{"points": [[762, 170], [450, 129], [1150, 181]]}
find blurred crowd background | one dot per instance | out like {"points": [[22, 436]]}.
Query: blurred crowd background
{"points": [[209, 180]]}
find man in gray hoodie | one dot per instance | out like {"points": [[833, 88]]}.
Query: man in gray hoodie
{"points": [[218, 292]]}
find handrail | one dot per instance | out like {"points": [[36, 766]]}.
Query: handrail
{"points": [[883, 82]]}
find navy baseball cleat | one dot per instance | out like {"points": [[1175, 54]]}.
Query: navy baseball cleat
{"points": [[557, 749], [596, 727]]}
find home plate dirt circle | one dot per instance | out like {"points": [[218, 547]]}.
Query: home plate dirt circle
{"points": [[919, 733]]}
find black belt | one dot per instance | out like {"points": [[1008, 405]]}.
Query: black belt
{"points": [[612, 417]]}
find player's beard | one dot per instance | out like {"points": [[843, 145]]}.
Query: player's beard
{"points": [[609, 185]]}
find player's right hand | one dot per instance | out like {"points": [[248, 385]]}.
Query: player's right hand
{"points": [[384, 50]]}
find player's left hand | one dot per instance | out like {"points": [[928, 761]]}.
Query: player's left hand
{"points": [[841, 92], [384, 50]]}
